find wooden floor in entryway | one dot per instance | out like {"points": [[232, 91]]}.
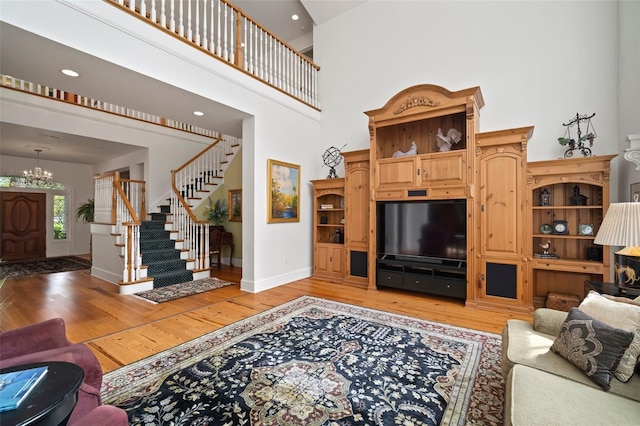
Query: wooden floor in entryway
{"points": [[123, 329]]}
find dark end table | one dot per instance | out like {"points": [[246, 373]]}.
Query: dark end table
{"points": [[52, 400], [611, 289]]}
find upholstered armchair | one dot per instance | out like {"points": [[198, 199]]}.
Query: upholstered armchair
{"points": [[47, 341]]}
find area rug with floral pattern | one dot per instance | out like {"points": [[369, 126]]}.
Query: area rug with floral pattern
{"points": [[176, 291], [28, 268], [317, 362]]}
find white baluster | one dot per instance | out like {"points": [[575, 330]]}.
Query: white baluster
{"points": [[232, 38], [189, 29], [245, 62], [181, 20], [212, 46], [172, 21], [138, 254], [204, 25], [218, 47], [224, 42], [197, 40]]}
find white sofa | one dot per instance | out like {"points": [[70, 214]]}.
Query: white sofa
{"points": [[543, 388]]}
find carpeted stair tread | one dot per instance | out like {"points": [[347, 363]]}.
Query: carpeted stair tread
{"points": [[156, 245], [154, 268], [159, 254], [152, 224], [159, 217]]}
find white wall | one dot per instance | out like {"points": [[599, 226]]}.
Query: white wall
{"points": [[78, 182], [537, 63], [628, 90]]}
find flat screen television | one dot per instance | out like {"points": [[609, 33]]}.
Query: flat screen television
{"points": [[428, 231]]}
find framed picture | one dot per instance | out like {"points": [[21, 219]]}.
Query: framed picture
{"points": [[635, 191], [235, 205], [283, 192]]}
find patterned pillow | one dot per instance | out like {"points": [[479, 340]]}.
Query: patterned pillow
{"points": [[617, 315], [592, 346]]}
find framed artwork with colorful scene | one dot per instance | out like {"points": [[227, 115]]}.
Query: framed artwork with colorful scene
{"points": [[235, 205], [283, 192]]}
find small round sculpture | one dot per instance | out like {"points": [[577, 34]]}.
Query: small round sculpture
{"points": [[332, 158]]}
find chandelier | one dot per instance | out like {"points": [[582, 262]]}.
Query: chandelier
{"points": [[37, 176]]}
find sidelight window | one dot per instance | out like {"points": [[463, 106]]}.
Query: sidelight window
{"points": [[60, 209]]}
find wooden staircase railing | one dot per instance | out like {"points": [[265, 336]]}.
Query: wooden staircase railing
{"points": [[121, 204], [190, 182], [220, 29]]}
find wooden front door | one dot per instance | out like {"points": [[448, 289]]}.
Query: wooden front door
{"points": [[23, 225]]}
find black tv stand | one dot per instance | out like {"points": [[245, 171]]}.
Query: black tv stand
{"points": [[446, 279]]}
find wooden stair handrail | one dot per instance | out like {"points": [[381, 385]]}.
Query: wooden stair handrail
{"points": [[182, 201], [201, 153]]}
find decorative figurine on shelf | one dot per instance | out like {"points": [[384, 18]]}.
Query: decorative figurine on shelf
{"points": [[412, 151], [574, 144], [545, 251], [445, 142], [578, 199], [545, 247], [546, 199]]}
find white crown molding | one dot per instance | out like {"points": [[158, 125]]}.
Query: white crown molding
{"points": [[633, 154]]}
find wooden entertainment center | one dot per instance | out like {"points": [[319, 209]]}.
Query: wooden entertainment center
{"points": [[414, 157]]}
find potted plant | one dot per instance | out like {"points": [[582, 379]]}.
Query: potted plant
{"points": [[85, 212], [217, 212]]}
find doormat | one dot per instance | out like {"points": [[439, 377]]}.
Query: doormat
{"points": [[29, 268], [176, 291]]}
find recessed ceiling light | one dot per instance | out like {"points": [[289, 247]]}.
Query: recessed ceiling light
{"points": [[294, 17], [198, 113], [70, 73]]}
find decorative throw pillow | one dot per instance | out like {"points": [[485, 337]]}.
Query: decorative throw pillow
{"points": [[617, 315], [592, 346]]}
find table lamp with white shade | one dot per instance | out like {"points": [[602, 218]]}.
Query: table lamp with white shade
{"points": [[621, 227]]}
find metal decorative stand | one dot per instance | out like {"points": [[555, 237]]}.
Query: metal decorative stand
{"points": [[579, 144], [332, 157]]}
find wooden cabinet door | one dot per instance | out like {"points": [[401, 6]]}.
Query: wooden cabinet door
{"points": [[442, 169], [357, 197], [396, 173], [500, 219], [501, 281], [502, 205], [23, 225], [328, 261]]}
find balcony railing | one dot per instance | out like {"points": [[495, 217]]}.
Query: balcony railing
{"points": [[84, 101], [223, 31]]}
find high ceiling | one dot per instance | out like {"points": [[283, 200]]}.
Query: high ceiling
{"points": [[100, 81]]}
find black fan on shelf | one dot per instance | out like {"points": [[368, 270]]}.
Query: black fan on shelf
{"points": [[332, 157]]}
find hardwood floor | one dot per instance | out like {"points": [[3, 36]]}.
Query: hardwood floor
{"points": [[123, 329]]}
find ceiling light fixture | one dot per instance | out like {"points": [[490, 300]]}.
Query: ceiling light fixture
{"points": [[37, 176], [295, 17], [70, 73], [198, 113]]}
